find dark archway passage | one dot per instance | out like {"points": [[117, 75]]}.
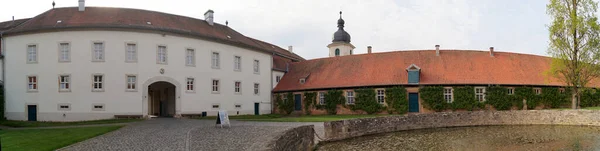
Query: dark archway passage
{"points": [[161, 100]]}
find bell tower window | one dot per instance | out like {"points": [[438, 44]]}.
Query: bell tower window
{"points": [[337, 52]]}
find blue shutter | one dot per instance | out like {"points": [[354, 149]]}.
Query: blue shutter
{"points": [[413, 77]]}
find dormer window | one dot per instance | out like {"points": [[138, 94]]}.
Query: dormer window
{"points": [[302, 81], [413, 74]]}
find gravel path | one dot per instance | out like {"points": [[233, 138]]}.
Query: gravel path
{"points": [[189, 134]]}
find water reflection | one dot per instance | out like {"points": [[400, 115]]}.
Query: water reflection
{"points": [[509, 138]]}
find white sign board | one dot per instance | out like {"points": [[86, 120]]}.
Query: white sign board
{"points": [[223, 118]]}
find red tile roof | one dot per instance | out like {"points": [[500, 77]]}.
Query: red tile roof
{"points": [[452, 67], [124, 18]]}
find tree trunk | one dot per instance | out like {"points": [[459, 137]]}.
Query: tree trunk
{"points": [[524, 104], [574, 103]]}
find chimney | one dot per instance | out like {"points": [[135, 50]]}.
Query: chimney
{"points": [[492, 51], [290, 49], [81, 5], [437, 50], [369, 49], [208, 17]]}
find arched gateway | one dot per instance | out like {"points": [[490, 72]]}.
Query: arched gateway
{"points": [[161, 97]]}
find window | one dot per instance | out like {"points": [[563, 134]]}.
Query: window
{"points": [[190, 84], [237, 87], [190, 56], [32, 83], [561, 90], [98, 52], [237, 61], [351, 52], [448, 95], [337, 52], [131, 53], [131, 82], [215, 60], [321, 98], [64, 107], [63, 83], [215, 106], [277, 78], [98, 107], [256, 86], [480, 94], [32, 54], [161, 55], [511, 91], [215, 86], [64, 52], [349, 97], [256, 66], [537, 91], [238, 106], [98, 82], [380, 96]]}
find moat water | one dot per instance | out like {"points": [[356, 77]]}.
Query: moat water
{"points": [[507, 138]]}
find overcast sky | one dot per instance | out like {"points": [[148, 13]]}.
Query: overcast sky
{"points": [[508, 25]]}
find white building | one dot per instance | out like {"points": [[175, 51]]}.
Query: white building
{"points": [[71, 64]]}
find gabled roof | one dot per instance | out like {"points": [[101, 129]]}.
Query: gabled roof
{"points": [[452, 67], [136, 19], [7, 25]]}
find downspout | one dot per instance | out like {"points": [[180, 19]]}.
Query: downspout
{"points": [[271, 86], [3, 71]]}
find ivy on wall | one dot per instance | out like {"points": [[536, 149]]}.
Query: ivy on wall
{"points": [[527, 93], [333, 98], [464, 98], [433, 97], [309, 99], [553, 98], [498, 97], [365, 101], [285, 106], [396, 99], [589, 98]]}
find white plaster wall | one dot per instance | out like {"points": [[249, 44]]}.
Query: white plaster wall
{"points": [[117, 101], [275, 74], [344, 49]]}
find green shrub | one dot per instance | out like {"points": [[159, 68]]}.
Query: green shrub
{"points": [[366, 101], [464, 98], [433, 97], [396, 99], [285, 106], [498, 97], [309, 100]]}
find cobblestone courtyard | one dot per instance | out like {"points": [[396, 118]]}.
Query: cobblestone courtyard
{"points": [[189, 134]]}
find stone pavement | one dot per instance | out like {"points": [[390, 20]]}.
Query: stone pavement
{"points": [[189, 134]]}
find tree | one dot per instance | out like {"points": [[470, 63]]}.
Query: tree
{"points": [[574, 43]]}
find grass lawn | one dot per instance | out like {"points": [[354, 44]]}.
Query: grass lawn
{"points": [[303, 118], [49, 139], [10, 123]]}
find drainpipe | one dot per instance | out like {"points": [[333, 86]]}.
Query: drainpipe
{"points": [[3, 70], [271, 87]]}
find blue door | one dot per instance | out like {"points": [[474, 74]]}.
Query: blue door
{"points": [[298, 102], [31, 112], [413, 102], [256, 108]]}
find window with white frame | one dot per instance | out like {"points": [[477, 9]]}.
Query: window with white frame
{"points": [[380, 96], [161, 55], [131, 52], [277, 78], [321, 98], [256, 88], [131, 82], [32, 54], [190, 56], [537, 91], [448, 95], [32, 84], [98, 51], [480, 94], [215, 60], [256, 66], [349, 97], [98, 82], [64, 52], [511, 91], [237, 63], [190, 84], [237, 87], [64, 83], [215, 86]]}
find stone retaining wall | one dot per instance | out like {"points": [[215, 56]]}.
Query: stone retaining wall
{"points": [[296, 139], [337, 130]]}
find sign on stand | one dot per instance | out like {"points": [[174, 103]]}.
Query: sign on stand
{"points": [[222, 119]]}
